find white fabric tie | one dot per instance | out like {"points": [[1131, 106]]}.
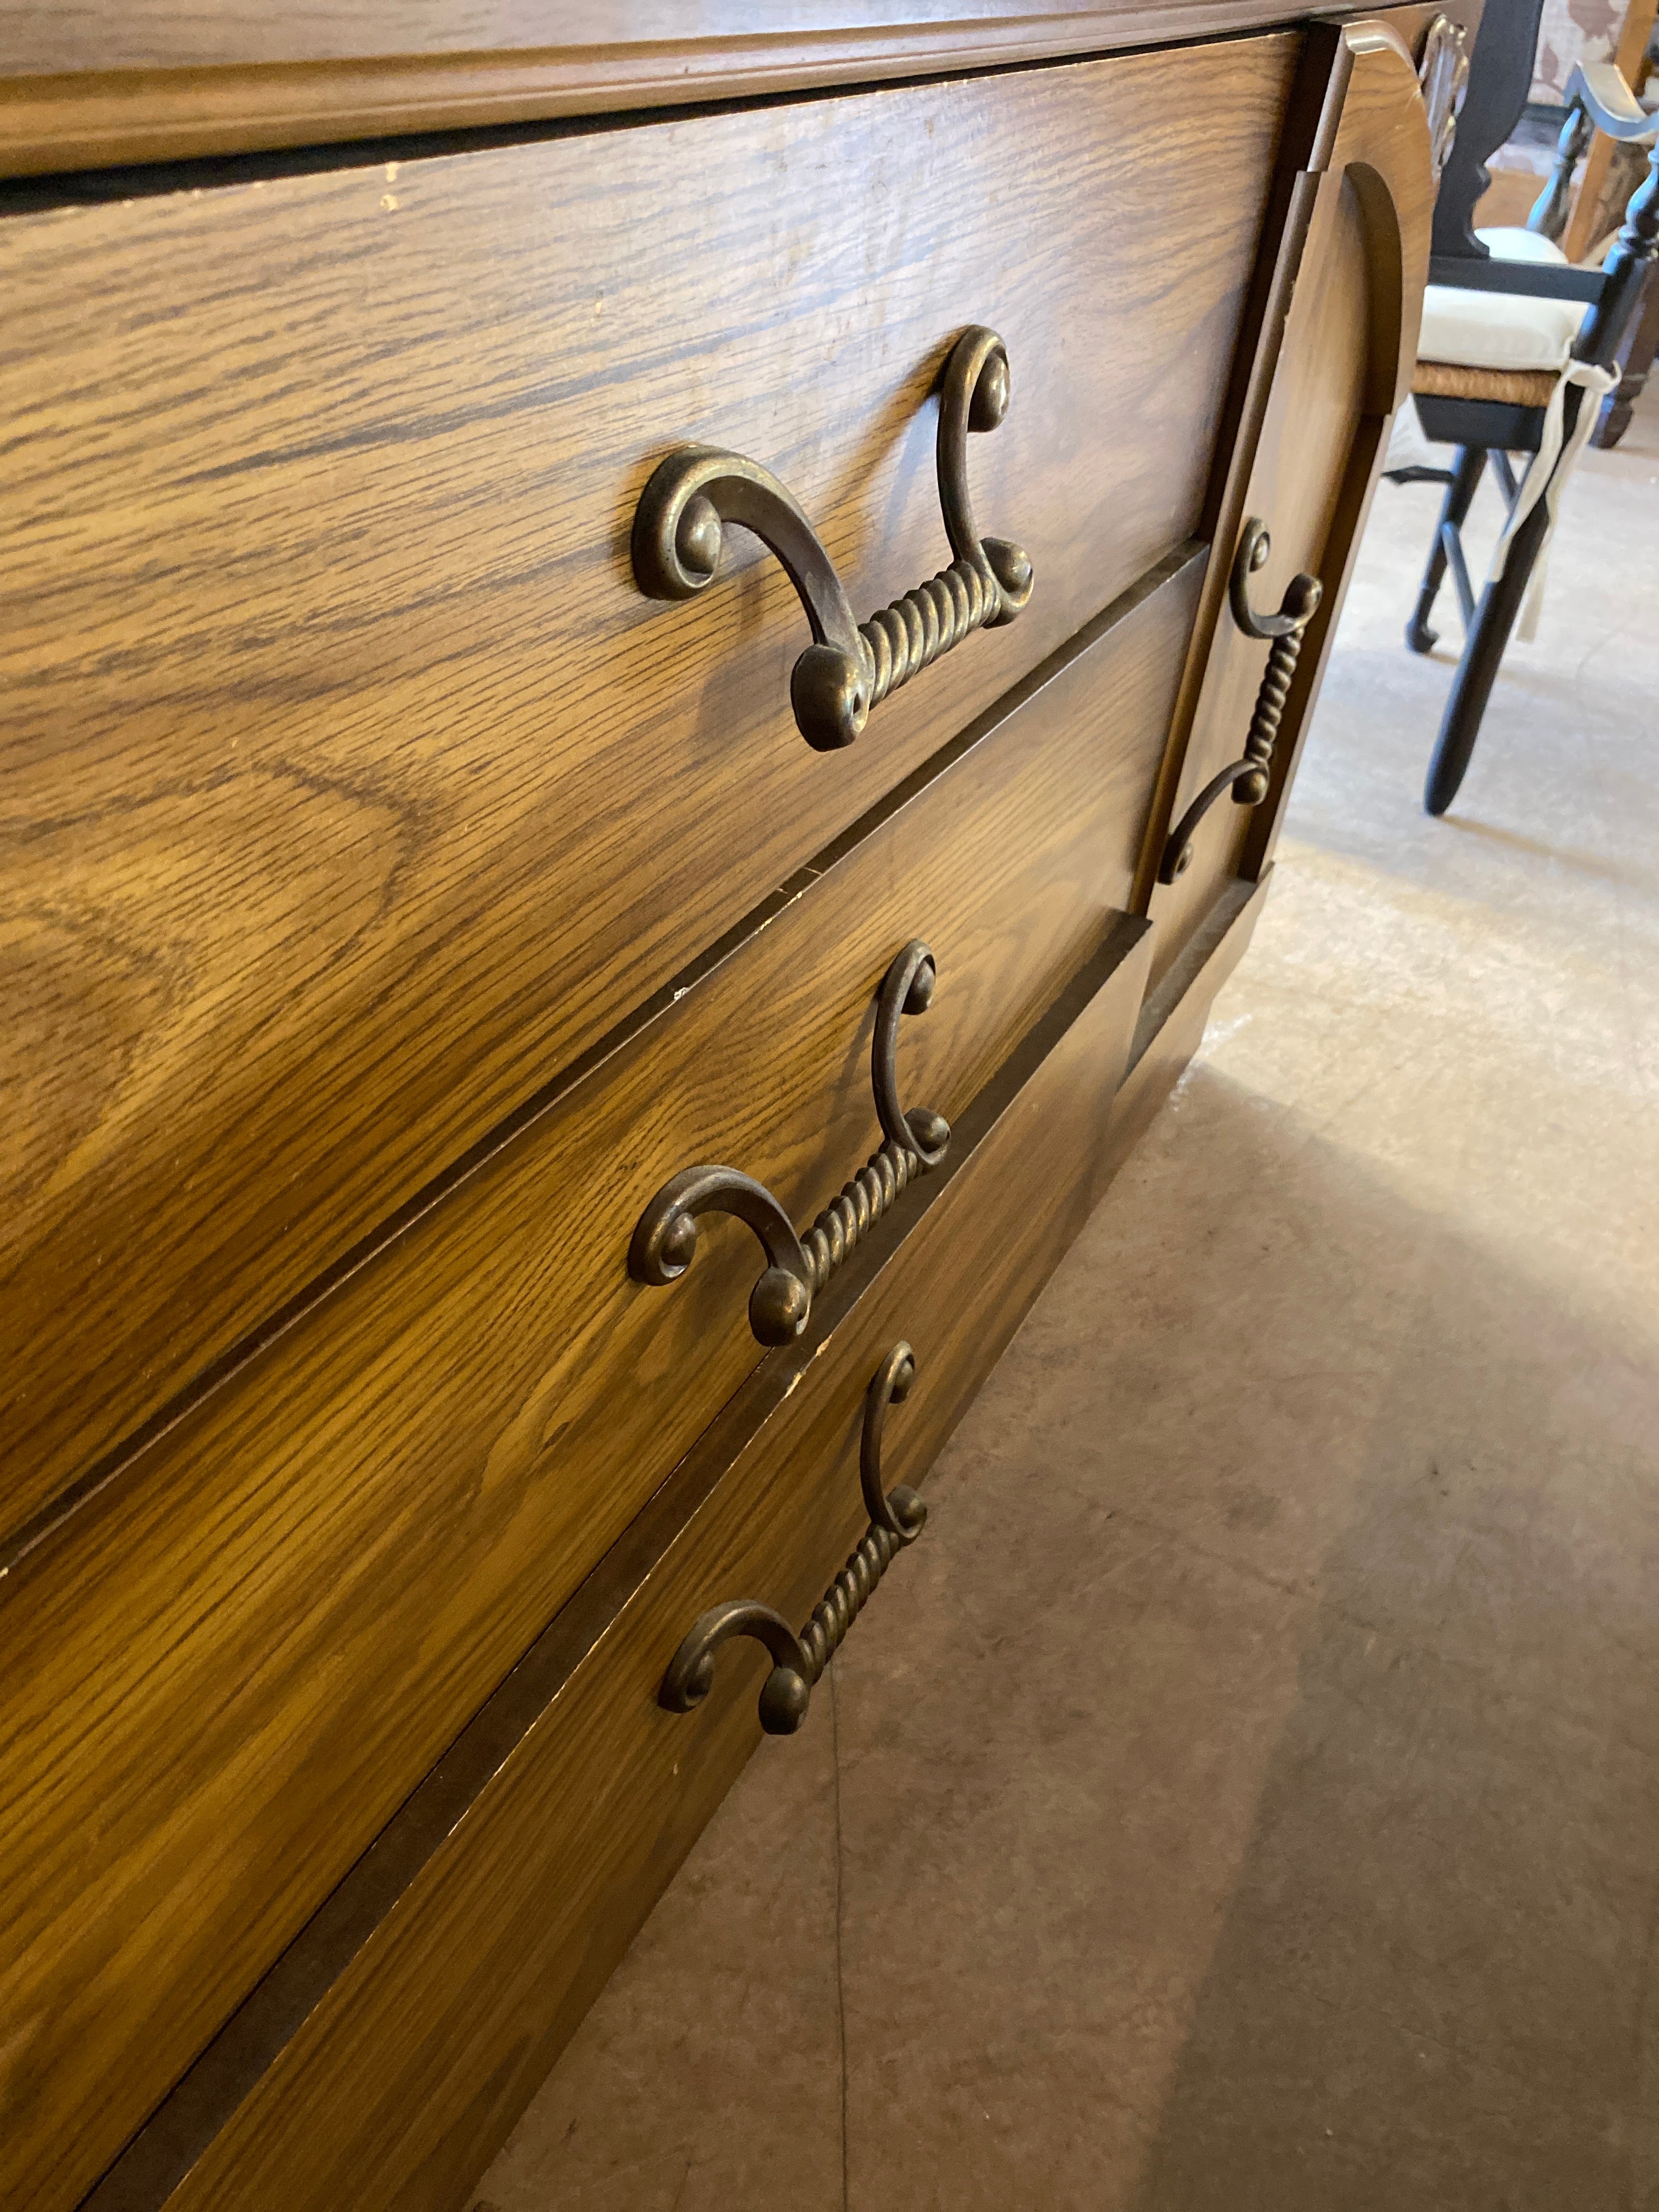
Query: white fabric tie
{"points": [[1546, 474]]}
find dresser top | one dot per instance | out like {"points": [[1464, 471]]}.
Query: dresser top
{"points": [[90, 83]]}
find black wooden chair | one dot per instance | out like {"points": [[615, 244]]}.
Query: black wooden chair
{"points": [[1518, 350]]}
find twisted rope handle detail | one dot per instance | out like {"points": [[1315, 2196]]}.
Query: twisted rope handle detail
{"points": [[897, 1519], [1263, 733], [1250, 779], [678, 539], [927, 622], [855, 1212], [664, 1240]]}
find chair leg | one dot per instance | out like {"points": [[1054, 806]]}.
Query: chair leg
{"points": [[1454, 510], [1635, 363], [1477, 671]]}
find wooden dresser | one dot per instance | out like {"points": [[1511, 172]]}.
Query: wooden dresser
{"points": [[545, 1048]]}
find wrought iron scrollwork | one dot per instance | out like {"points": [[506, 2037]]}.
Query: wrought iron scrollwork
{"points": [[1248, 779], [850, 666], [665, 1241], [897, 1519]]}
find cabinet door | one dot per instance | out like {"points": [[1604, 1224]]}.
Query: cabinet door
{"points": [[1331, 362]]}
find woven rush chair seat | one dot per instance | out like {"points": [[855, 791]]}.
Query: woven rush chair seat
{"points": [[1502, 387]]}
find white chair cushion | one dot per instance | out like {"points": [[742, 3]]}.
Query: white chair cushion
{"points": [[1496, 329], [1511, 245], [1501, 330]]}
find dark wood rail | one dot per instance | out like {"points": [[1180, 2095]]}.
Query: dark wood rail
{"points": [[142, 81]]}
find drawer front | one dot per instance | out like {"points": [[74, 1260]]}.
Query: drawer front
{"points": [[445, 1975], [351, 786], [228, 1669]]}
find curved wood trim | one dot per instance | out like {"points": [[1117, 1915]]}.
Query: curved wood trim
{"points": [[1382, 148], [1357, 106], [1371, 134], [1381, 143], [70, 119]]}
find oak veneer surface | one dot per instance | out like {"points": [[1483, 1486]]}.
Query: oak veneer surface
{"points": [[1315, 400], [349, 788], [1355, 261], [226, 1672], [137, 34], [108, 80], [437, 1996], [1380, 152]]}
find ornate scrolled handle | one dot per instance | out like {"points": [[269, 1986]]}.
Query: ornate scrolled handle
{"points": [[850, 666], [666, 1244], [665, 1241], [906, 988], [1248, 778], [896, 1518]]}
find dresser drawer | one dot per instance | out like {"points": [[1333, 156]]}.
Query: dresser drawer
{"points": [[352, 788], [225, 1673], [388, 2056]]}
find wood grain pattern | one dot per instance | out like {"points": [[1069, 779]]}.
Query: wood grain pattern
{"points": [[1351, 279], [110, 81], [1379, 153], [1320, 368], [225, 1674], [144, 34], [392, 2050], [332, 707]]}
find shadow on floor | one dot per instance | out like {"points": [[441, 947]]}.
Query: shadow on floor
{"points": [[1245, 1797], [1431, 1985]]}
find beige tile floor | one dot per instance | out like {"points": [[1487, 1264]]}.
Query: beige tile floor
{"points": [[1247, 1795]]}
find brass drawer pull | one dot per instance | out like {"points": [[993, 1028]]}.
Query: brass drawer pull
{"points": [[1248, 777], [897, 1519], [850, 666], [906, 988], [665, 1241]]}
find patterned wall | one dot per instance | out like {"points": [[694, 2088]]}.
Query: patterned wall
{"points": [[1573, 31]]}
